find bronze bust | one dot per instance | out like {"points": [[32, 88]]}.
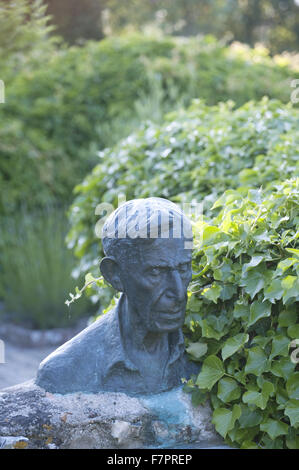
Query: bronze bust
{"points": [[137, 348]]}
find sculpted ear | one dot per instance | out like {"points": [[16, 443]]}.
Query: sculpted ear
{"points": [[111, 272]]}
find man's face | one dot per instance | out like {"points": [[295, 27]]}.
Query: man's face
{"points": [[155, 279]]}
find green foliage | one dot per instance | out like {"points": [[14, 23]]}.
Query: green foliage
{"points": [[35, 270], [207, 69], [247, 371], [64, 104], [273, 22], [57, 116], [90, 281], [24, 36], [195, 155]]}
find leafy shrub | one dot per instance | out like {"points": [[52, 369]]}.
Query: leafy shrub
{"points": [[206, 69], [24, 36], [35, 270], [33, 170], [243, 315], [197, 154], [64, 104], [54, 114]]}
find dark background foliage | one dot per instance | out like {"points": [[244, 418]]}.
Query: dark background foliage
{"points": [[273, 22]]}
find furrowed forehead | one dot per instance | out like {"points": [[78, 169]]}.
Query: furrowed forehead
{"points": [[159, 252]]}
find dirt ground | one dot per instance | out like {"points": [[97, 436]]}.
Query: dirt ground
{"points": [[21, 364]]}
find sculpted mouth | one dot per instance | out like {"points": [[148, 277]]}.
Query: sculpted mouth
{"points": [[172, 314]]}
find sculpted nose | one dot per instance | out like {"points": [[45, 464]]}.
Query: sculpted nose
{"points": [[176, 286]]}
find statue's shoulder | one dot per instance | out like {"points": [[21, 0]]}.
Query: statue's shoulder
{"points": [[96, 332], [76, 362], [84, 342]]}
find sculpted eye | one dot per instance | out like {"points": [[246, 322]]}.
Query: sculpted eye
{"points": [[155, 271], [184, 268]]}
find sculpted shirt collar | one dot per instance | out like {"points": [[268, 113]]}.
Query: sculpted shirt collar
{"points": [[118, 354]]}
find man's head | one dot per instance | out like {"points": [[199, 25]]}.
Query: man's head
{"points": [[147, 243]]}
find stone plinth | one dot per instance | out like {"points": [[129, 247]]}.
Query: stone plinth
{"points": [[37, 419]]}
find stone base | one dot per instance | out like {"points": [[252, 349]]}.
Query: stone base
{"points": [[41, 420]]}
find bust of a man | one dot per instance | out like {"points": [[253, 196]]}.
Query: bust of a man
{"points": [[137, 348]]}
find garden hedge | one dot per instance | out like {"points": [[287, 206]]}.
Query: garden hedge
{"points": [[196, 154], [63, 104]]}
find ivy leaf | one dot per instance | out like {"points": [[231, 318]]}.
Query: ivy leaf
{"points": [[281, 395], [282, 367], [291, 287], [294, 251], [284, 265], [228, 390], [287, 317], [287, 282], [293, 443], [292, 386], [268, 388], [227, 291], [224, 419], [255, 260], [232, 345], [274, 291], [260, 399], [293, 331], [198, 397], [89, 278], [254, 280], [209, 332], [209, 233], [274, 428], [241, 311], [260, 341], [249, 417], [249, 445], [259, 310], [292, 411], [197, 350], [240, 377], [257, 361], [212, 293], [217, 322], [239, 435], [280, 346], [212, 371], [261, 236], [269, 443], [223, 273]]}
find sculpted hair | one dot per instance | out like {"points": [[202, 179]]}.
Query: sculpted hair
{"points": [[142, 221]]}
